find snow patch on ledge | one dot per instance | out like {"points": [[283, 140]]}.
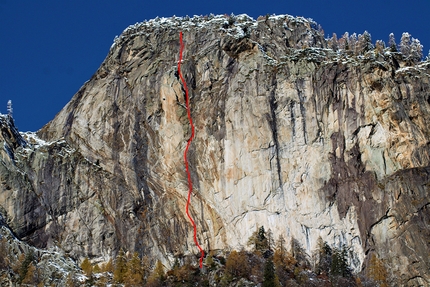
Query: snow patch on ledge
{"points": [[33, 139]]}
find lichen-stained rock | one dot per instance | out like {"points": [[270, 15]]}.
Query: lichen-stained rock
{"points": [[290, 135]]}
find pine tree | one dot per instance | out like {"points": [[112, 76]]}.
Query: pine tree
{"points": [[71, 281], [261, 234], [9, 108], [210, 263], [324, 257], [333, 43], [120, 267], [159, 270], [4, 254], [23, 269], [280, 245], [299, 253], [282, 258], [353, 43], [259, 240], [392, 43], [270, 240], [16, 266], [339, 263], [379, 46], [107, 267], [269, 277], [377, 271], [344, 42], [134, 274], [97, 269], [31, 276], [416, 50], [145, 267], [157, 276], [87, 267], [237, 264], [405, 45], [364, 43]]}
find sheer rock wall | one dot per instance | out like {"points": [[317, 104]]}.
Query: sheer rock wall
{"points": [[289, 135]]}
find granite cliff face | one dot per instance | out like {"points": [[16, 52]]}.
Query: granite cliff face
{"points": [[290, 135]]}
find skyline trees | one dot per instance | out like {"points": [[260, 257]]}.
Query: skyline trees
{"points": [[410, 48]]}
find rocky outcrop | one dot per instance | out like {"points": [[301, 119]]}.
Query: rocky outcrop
{"points": [[290, 135], [52, 267]]}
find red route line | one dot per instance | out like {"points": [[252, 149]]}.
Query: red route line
{"points": [[190, 184]]}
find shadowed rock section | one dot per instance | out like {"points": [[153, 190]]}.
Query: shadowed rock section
{"points": [[290, 135]]}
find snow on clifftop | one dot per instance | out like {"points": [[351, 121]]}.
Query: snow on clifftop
{"points": [[227, 22], [311, 35]]}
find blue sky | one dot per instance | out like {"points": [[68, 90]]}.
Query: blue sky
{"points": [[48, 49]]}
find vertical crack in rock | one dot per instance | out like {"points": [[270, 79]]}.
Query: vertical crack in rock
{"points": [[319, 110], [293, 119], [300, 86], [274, 128]]}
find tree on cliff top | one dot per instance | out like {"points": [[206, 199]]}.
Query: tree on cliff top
{"points": [[9, 108], [392, 43]]}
